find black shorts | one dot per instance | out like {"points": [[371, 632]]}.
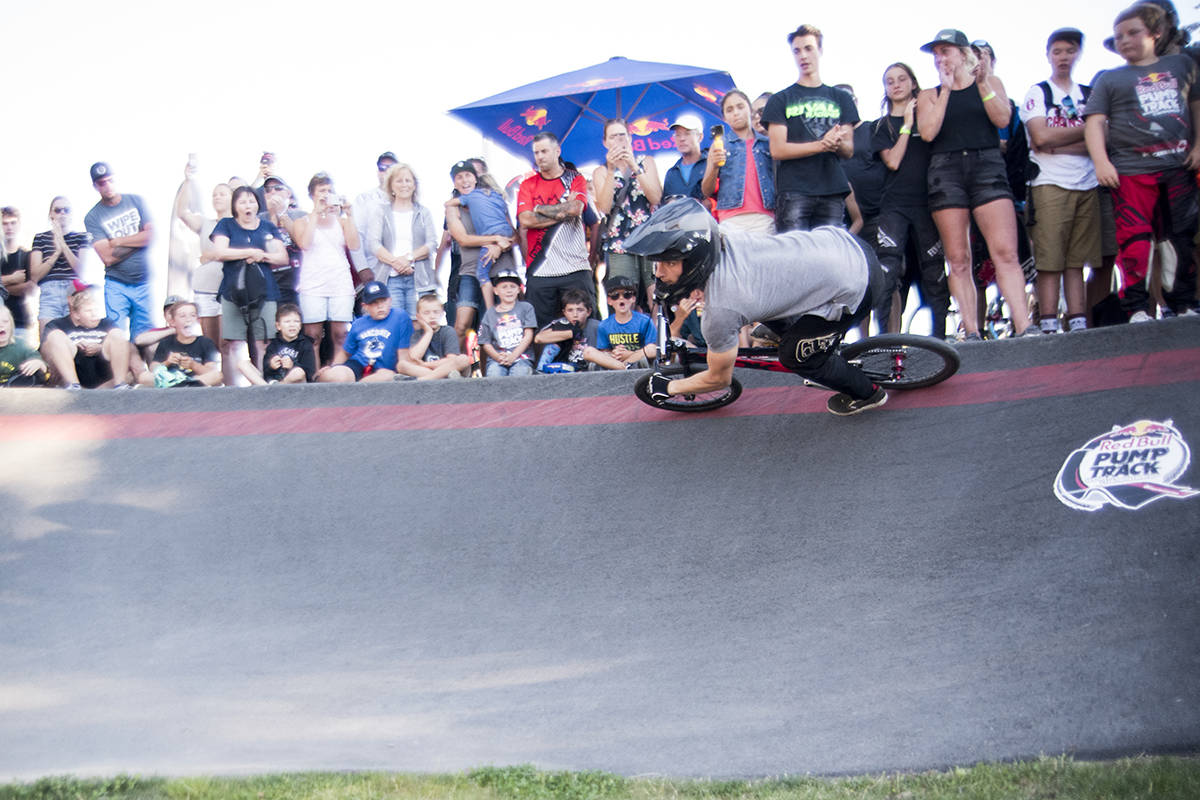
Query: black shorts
{"points": [[967, 179], [92, 370]]}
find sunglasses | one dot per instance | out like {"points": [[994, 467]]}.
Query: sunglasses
{"points": [[61, 210], [384, 167], [623, 295]]}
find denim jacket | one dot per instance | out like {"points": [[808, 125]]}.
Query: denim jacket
{"points": [[733, 174], [380, 232]]}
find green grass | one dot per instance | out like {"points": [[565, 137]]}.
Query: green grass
{"points": [[1159, 778]]}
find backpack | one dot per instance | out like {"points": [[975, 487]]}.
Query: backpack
{"points": [[1017, 163], [250, 290]]}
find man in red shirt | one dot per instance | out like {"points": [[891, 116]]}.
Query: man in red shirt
{"points": [[550, 207]]}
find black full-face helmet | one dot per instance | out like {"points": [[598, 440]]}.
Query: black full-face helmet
{"points": [[681, 230]]}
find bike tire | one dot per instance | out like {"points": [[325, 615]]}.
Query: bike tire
{"points": [[687, 403], [903, 360]]}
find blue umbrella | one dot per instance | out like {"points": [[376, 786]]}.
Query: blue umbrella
{"points": [[574, 105]]}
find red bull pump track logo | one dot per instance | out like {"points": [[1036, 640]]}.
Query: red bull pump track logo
{"points": [[1128, 467]]}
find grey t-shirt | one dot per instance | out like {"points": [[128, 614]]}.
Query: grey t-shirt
{"points": [[443, 343], [504, 330], [763, 277], [1149, 122], [124, 219]]}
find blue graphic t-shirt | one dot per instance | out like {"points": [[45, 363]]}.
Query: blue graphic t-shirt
{"points": [[371, 342], [809, 112], [634, 334]]}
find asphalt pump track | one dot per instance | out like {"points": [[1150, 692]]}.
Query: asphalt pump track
{"points": [[544, 570]]}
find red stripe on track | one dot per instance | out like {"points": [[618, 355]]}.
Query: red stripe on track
{"points": [[1055, 380]]}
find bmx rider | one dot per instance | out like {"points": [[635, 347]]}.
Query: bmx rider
{"points": [[808, 286]]}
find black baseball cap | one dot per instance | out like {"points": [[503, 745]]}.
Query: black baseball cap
{"points": [[100, 170], [374, 290], [506, 276], [387, 155], [1072, 35], [619, 282], [463, 166], [950, 36]]}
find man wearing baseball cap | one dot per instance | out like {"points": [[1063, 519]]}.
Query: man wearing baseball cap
{"points": [[121, 234], [684, 177], [811, 128], [1063, 211]]}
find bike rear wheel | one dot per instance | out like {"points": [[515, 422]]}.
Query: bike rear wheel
{"points": [[687, 402], [902, 360]]}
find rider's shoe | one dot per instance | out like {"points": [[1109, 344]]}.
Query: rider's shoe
{"points": [[844, 405]]}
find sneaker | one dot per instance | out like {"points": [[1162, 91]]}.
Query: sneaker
{"points": [[973, 337], [844, 405], [1141, 316], [121, 386], [1033, 330], [73, 387]]}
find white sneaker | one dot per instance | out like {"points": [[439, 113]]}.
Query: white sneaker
{"points": [[1141, 316]]}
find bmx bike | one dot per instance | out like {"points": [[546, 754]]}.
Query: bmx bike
{"points": [[892, 360]]}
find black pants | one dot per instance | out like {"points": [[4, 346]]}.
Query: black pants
{"points": [[545, 294], [899, 227], [809, 347]]}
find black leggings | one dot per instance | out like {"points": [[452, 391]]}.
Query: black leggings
{"points": [[809, 347]]}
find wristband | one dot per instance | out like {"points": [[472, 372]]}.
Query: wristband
{"points": [[989, 96], [906, 130]]}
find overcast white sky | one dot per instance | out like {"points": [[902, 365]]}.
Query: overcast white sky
{"points": [[329, 86]]}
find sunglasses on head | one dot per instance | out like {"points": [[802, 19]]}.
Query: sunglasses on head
{"points": [[623, 294]]}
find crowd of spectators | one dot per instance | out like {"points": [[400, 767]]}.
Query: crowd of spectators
{"points": [[951, 185]]}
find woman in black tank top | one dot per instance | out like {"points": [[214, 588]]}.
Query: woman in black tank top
{"points": [[960, 119]]}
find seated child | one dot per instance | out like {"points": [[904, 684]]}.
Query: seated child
{"points": [[289, 357], [432, 342], [627, 338], [569, 340], [376, 348], [19, 363], [506, 331], [185, 358]]}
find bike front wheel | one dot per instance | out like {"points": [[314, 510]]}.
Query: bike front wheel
{"points": [[902, 360], [707, 401]]}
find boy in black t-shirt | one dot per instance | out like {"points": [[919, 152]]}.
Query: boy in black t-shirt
{"points": [[184, 358], [569, 340], [810, 126], [289, 357]]}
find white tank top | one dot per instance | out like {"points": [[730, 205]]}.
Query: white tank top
{"points": [[324, 271]]}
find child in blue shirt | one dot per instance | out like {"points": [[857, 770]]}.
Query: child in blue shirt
{"points": [[627, 337]]}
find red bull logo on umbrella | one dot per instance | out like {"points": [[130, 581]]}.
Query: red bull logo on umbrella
{"points": [[711, 95], [535, 116], [645, 128], [1128, 467]]}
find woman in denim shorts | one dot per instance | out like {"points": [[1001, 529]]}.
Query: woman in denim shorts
{"points": [[967, 177]]}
